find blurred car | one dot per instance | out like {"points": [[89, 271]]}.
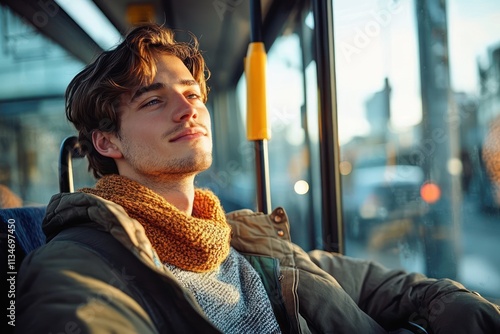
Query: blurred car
{"points": [[382, 194]]}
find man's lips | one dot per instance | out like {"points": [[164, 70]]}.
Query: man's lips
{"points": [[189, 133]]}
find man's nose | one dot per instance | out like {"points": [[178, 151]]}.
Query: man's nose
{"points": [[184, 109]]}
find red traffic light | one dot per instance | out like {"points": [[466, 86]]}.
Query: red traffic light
{"points": [[430, 192]]}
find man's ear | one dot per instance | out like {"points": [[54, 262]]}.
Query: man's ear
{"points": [[104, 143]]}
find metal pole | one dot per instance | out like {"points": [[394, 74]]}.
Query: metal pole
{"points": [[329, 143], [257, 126]]}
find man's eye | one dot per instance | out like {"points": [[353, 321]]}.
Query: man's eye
{"points": [[193, 96], [150, 103]]}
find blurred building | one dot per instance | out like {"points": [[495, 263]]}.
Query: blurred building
{"points": [[378, 113]]}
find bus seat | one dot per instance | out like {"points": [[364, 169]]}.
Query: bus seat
{"points": [[23, 225], [20, 233]]}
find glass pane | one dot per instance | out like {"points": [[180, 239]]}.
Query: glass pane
{"points": [[418, 90], [34, 74]]}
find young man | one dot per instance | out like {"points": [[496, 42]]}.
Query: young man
{"points": [[144, 251]]}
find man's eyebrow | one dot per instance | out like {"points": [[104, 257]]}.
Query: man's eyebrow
{"points": [[145, 89], [188, 82]]}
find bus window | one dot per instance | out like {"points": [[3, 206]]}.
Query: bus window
{"points": [[295, 182], [417, 89]]}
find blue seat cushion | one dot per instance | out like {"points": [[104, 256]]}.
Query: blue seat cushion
{"points": [[25, 224]]}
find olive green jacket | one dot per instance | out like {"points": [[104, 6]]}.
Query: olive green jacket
{"points": [[99, 274]]}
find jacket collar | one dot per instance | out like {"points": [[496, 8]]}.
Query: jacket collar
{"points": [[66, 210]]}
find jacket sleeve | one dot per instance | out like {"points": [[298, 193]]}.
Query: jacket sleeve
{"points": [[393, 297], [63, 288]]}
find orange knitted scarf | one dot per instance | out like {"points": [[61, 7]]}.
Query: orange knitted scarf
{"points": [[198, 243]]}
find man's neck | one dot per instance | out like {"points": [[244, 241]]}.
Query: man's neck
{"points": [[178, 192]]}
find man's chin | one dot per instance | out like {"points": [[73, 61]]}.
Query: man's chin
{"points": [[201, 163], [207, 164]]}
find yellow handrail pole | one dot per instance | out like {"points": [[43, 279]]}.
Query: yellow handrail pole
{"points": [[258, 129]]}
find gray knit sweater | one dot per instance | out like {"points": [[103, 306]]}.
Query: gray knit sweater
{"points": [[232, 296]]}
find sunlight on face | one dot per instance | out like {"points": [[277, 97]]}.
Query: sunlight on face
{"points": [[165, 127]]}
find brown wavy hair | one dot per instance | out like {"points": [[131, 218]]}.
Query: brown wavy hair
{"points": [[93, 96]]}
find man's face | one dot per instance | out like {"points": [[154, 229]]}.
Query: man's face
{"points": [[165, 127]]}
